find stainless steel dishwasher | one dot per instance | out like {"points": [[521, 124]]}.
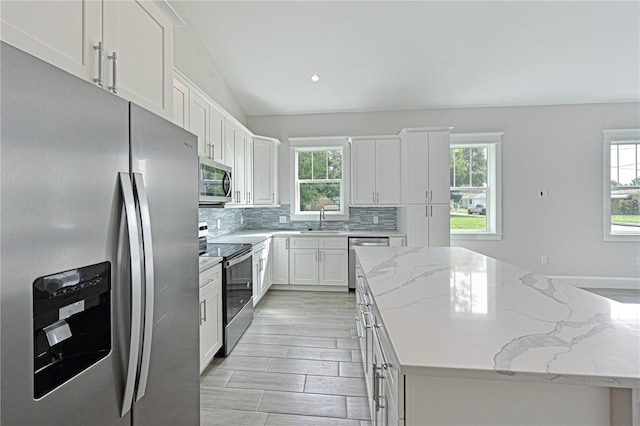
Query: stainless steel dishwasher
{"points": [[359, 242]]}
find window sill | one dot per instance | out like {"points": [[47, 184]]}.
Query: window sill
{"points": [[622, 237], [315, 217], [487, 236]]}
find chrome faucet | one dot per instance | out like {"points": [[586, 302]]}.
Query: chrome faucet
{"points": [[321, 217]]}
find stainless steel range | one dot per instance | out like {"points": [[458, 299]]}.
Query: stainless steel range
{"points": [[237, 290]]}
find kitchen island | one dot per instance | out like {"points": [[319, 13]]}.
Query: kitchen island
{"points": [[450, 336]]}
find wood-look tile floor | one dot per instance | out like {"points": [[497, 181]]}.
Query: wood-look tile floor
{"points": [[297, 364]]}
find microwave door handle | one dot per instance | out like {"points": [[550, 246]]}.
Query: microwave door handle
{"points": [[136, 290], [149, 283]]}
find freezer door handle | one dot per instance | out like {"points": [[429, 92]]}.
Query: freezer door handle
{"points": [[136, 289], [147, 247]]}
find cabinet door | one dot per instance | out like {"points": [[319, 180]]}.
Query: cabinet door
{"points": [[61, 33], [216, 133], [333, 267], [210, 323], [248, 170], [439, 167], [303, 266], [142, 37], [439, 225], [199, 122], [417, 225], [263, 172], [229, 144], [388, 176], [416, 170], [257, 276], [266, 266], [180, 104], [280, 261], [363, 172], [239, 167]]}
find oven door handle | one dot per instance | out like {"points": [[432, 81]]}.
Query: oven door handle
{"points": [[237, 260]]}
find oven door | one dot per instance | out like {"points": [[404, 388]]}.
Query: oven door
{"points": [[239, 284]]}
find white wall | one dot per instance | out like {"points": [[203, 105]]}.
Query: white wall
{"points": [[558, 148], [189, 58]]}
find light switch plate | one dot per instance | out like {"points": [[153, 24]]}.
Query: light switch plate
{"points": [[375, 219], [282, 219]]}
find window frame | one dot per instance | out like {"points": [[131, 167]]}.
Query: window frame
{"points": [[614, 136], [493, 142], [319, 144]]}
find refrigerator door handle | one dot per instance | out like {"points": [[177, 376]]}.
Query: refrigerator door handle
{"points": [[136, 290], [149, 286]]}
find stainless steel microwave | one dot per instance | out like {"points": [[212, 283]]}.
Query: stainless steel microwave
{"points": [[214, 182]]}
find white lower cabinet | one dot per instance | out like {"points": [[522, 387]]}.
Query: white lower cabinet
{"points": [[279, 260], [318, 261], [210, 314], [261, 274]]}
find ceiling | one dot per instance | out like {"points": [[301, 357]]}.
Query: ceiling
{"points": [[390, 55]]}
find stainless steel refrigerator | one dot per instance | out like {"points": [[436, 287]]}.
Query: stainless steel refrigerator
{"points": [[99, 269]]}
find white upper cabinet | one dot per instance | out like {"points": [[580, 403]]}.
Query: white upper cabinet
{"points": [[125, 46], [375, 172], [216, 134], [199, 122], [141, 38], [265, 152], [180, 104], [248, 169], [426, 167], [35, 27]]}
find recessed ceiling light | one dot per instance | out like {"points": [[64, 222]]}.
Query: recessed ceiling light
{"points": [[315, 77]]}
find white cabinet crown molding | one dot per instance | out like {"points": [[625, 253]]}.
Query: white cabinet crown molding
{"points": [[322, 141]]}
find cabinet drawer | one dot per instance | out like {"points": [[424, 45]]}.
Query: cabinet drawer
{"points": [[303, 242], [211, 276], [332, 243]]}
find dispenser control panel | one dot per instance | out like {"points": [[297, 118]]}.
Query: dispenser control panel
{"points": [[71, 324]]}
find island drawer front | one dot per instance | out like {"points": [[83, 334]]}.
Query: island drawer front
{"points": [[303, 242], [391, 372], [333, 243]]}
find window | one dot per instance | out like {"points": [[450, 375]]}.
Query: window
{"points": [[474, 176], [319, 178], [622, 184]]}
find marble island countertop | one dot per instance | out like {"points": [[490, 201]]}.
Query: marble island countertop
{"points": [[454, 311]]}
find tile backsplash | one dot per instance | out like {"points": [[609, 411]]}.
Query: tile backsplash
{"points": [[235, 220]]}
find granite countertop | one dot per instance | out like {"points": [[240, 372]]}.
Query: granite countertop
{"points": [[454, 311], [257, 236]]}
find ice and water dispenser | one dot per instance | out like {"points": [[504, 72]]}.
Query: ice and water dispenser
{"points": [[71, 324]]}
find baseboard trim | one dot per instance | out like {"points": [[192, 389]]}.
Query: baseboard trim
{"points": [[600, 282]]}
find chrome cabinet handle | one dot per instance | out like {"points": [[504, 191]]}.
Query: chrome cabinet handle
{"points": [[379, 378], [248, 197], [149, 282], [114, 59], [203, 308], [136, 289], [377, 197], [100, 79], [426, 195], [431, 195], [373, 197], [286, 244]]}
